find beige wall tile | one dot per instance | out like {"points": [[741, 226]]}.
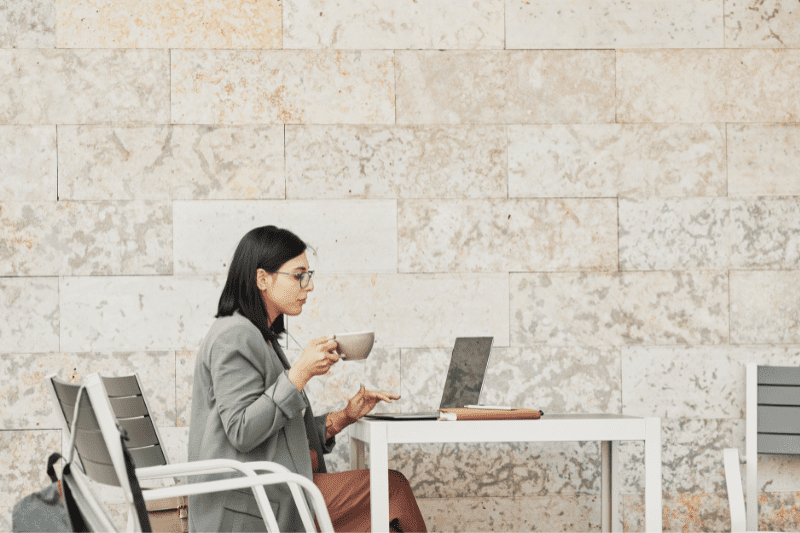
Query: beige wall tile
{"points": [[765, 233], [484, 470], [675, 234], [759, 24], [505, 87], [613, 24], [136, 312], [507, 235], [176, 441], [24, 462], [6, 518], [430, 307], [616, 160], [556, 468], [85, 238], [555, 379], [384, 24], [707, 85], [764, 307], [84, 86], [709, 233], [672, 85], [282, 87], [395, 162], [184, 381], [595, 309], [776, 473], [28, 24], [348, 236], [763, 160], [29, 315], [546, 513], [779, 511], [422, 378], [28, 164], [681, 512], [691, 455], [29, 404], [170, 162], [153, 24], [689, 382]]}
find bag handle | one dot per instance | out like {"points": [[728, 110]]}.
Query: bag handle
{"points": [[138, 498], [76, 520]]}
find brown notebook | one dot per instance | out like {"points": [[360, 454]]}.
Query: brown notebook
{"points": [[465, 413]]}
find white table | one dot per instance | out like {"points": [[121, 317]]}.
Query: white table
{"points": [[609, 429]]}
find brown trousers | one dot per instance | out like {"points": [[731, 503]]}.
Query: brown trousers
{"points": [[347, 497]]}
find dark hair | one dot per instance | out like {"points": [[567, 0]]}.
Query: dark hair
{"points": [[268, 248]]}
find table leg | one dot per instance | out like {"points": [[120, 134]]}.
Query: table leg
{"points": [[379, 477], [605, 485], [616, 486], [652, 476], [357, 454]]}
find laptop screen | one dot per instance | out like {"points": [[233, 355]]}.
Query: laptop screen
{"points": [[465, 375]]}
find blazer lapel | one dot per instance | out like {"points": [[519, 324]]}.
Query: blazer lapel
{"points": [[281, 355]]}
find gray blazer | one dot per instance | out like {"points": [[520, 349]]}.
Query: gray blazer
{"points": [[244, 407]]}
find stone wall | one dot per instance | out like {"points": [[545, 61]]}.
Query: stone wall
{"points": [[609, 188]]}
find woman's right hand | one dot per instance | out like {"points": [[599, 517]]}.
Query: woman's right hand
{"points": [[316, 360]]}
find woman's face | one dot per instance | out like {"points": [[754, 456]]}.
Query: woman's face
{"points": [[281, 292]]}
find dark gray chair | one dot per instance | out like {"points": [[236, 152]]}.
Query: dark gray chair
{"points": [[133, 415], [772, 427]]}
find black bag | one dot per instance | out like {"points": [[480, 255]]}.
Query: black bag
{"points": [[50, 509]]}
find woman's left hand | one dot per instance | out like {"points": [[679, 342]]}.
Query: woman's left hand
{"points": [[365, 401]]}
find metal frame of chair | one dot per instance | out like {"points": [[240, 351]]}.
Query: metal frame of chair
{"points": [[94, 513], [101, 429]]}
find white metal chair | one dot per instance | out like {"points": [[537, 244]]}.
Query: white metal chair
{"points": [[772, 427], [101, 455]]}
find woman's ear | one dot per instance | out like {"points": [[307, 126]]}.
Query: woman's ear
{"points": [[262, 278]]}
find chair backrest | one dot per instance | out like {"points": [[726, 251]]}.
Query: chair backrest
{"points": [[778, 400], [90, 446], [96, 437], [132, 410]]}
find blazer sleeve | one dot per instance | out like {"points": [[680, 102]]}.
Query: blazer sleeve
{"points": [[254, 396], [320, 423]]}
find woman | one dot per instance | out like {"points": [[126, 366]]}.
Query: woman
{"points": [[248, 402]]}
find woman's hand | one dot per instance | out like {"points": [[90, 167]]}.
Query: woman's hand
{"points": [[365, 401], [316, 360], [357, 406]]}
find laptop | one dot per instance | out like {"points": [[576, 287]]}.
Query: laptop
{"points": [[464, 381]]}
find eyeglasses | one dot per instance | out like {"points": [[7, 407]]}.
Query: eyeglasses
{"points": [[303, 277]]}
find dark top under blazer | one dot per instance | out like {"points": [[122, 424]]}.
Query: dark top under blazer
{"points": [[245, 408]]}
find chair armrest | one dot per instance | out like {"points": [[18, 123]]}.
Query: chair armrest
{"points": [[216, 466], [206, 467], [256, 483], [195, 468], [733, 480]]}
